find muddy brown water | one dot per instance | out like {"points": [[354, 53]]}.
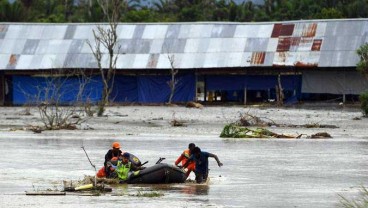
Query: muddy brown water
{"points": [[256, 173]]}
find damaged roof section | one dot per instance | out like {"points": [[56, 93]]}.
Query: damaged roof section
{"points": [[312, 43]]}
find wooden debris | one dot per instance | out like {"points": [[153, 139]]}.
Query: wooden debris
{"points": [[192, 104], [176, 123], [320, 135], [247, 119], [235, 131], [45, 193]]}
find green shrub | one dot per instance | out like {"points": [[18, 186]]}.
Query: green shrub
{"points": [[362, 65], [364, 103]]}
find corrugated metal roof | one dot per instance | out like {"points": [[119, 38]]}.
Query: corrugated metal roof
{"points": [[321, 43]]}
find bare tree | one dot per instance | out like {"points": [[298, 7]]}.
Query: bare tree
{"points": [[54, 112], [279, 92], [106, 37], [173, 72]]}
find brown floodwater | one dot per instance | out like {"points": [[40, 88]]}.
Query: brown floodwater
{"points": [[256, 172]]}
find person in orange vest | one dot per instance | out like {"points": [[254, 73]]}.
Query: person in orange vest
{"points": [[184, 157], [112, 154]]}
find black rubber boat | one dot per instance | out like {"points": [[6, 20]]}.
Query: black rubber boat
{"points": [[158, 173]]}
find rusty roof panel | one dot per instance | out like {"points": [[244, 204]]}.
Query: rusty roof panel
{"points": [[13, 59], [258, 58], [276, 30], [287, 30], [282, 30], [299, 59], [316, 46], [284, 44], [305, 44], [309, 30], [294, 43]]}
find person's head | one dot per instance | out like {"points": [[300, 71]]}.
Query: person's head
{"points": [[125, 157], [191, 147], [196, 152], [116, 145]]}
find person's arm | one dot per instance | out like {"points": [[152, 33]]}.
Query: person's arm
{"points": [[188, 161], [180, 158], [107, 157], [216, 158]]}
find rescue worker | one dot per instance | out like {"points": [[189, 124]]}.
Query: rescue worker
{"points": [[124, 167], [201, 163], [112, 154], [184, 157]]}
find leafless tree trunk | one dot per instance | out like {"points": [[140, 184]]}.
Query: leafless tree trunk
{"points": [[279, 92], [173, 71], [106, 36]]}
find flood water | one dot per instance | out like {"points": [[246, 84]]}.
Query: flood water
{"points": [[256, 172]]}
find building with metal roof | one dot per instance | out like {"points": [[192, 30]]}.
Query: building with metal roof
{"points": [[315, 56]]}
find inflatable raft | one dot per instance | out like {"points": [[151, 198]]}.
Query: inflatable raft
{"points": [[158, 173]]}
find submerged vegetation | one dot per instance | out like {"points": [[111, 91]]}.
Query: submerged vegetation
{"points": [[235, 131], [359, 202], [149, 194]]}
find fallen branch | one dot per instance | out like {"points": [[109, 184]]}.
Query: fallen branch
{"points": [[93, 165]]}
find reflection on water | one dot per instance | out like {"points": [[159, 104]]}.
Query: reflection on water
{"points": [[196, 189], [256, 173]]}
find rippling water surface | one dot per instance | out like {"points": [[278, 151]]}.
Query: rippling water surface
{"points": [[256, 173]]}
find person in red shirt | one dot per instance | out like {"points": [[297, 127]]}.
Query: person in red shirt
{"points": [[184, 157]]}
